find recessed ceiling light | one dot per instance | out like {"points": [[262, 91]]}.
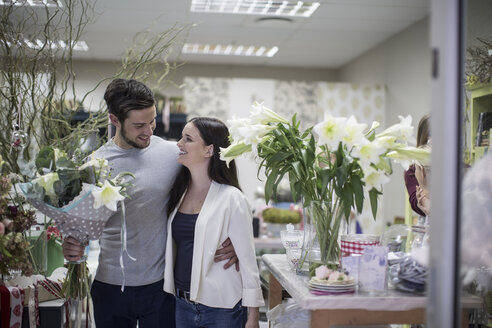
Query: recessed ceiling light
{"points": [[32, 3], [229, 50], [255, 7], [39, 44]]}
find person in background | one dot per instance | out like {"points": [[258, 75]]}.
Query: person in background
{"points": [[207, 207], [418, 194], [152, 161]]}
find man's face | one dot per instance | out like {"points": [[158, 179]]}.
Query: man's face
{"points": [[136, 130]]}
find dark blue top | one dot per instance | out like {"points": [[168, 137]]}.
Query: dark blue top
{"points": [[183, 230]]}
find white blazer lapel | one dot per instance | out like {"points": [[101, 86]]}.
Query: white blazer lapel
{"points": [[206, 213]]}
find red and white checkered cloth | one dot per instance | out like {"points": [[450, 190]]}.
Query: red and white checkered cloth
{"points": [[355, 247]]}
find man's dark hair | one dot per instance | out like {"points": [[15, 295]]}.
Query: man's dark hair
{"points": [[122, 96]]}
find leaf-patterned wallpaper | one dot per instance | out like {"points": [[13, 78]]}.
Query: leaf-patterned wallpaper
{"points": [[206, 96]]}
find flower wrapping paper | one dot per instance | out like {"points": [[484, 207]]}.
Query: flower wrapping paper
{"points": [[78, 218]]}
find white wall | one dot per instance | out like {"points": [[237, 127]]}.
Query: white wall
{"points": [[88, 73], [402, 63]]}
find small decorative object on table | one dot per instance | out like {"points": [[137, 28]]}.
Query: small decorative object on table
{"points": [[292, 242], [79, 198], [373, 270], [328, 170], [331, 282]]}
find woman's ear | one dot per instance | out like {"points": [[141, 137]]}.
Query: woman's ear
{"points": [[210, 150]]}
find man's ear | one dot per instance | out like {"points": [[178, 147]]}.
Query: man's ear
{"points": [[114, 120]]}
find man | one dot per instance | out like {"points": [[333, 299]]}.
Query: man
{"points": [[153, 162]]}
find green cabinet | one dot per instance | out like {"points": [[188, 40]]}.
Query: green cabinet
{"points": [[480, 102]]}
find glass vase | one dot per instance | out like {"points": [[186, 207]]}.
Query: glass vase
{"points": [[320, 246], [38, 250]]}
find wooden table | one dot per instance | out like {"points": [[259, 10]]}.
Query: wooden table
{"points": [[354, 309]]}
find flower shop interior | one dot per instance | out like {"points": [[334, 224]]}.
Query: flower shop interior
{"points": [[348, 63]]}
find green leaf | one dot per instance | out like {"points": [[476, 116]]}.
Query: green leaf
{"points": [[46, 159], [358, 192], [279, 157], [339, 154], [373, 196], [64, 162], [347, 200], [297, 169]]}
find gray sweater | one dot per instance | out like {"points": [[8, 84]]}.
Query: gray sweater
{"points": [[155, 169]]}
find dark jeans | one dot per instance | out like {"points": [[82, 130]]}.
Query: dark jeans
{"points": [[148, 305], [194, 315]]}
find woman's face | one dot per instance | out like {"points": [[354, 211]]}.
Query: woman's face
{"points": [[192, 148]]}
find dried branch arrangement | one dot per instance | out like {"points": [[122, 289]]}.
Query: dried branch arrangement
{"points": [[479, 62], [38, 86]]}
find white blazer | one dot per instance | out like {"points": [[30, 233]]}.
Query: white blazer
{"points": [[224, 214]]}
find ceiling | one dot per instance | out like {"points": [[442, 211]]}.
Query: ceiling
{"points": [[337, 32]]}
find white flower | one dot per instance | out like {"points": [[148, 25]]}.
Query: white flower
{"points": [[354, 132], [402, 131], [368, 153], [46, 181], [386, 142], [331, 131], [253, 134], [374, 126], [262, 115], [233, 151], [407, 155], [235, 124], [375, 178], [97, 163], [107, 195]]}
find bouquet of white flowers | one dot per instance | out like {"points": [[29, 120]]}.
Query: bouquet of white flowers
{"points": [[328, 165], [79, 199]]}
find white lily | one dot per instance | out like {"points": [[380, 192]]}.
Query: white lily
{"points": [[386, 142], [233, 151], [47, 181], [107, 195], [354, 132], [97, 163], [331, 131], [235, 124], [262, 115], [374, 126], [402, 131], [375, 178], [405, 156], [368, 153], [253, 134]]}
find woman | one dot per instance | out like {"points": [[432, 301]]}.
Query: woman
{"points": [[418, 195], [206, 207]]}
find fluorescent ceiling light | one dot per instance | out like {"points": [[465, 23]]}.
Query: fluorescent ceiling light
{"points": [[60, 44], [255, 7], [229, 50], [32, 3]]}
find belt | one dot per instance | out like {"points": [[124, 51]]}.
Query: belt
{"points": [[184, 295]]}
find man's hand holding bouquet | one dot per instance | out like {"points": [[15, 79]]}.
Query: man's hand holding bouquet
{"points": [[79, 198]]}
